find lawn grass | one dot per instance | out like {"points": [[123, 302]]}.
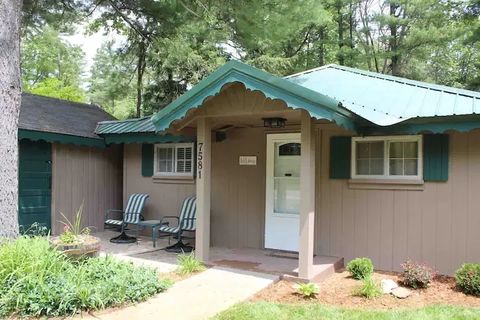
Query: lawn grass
{"points": [[276, 311]]}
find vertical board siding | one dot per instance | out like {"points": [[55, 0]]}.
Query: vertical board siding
{"points": [[88, 176], [438, 225], [238, 192], [166, 197]]}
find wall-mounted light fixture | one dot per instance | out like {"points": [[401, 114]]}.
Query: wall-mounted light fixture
{"points": [[274, 122]]}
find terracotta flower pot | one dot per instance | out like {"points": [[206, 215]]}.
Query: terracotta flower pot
{"points": [[85, 246]]}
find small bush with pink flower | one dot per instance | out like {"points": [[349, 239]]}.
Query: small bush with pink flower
{"points": [[417, 275]]}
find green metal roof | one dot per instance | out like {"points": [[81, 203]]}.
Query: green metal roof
{"points": [[135, 131], [386, 100], [141, 125], [357, 100], [295, 96], [53, 137]]}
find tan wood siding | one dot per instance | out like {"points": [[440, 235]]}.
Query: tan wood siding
{"points": [[91, 176], [438, 225], [165, 197], [238, 192]]}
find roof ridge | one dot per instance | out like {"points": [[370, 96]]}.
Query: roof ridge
{"points": [[79, 104], [125, 120], [402, 80], [325, 66]]}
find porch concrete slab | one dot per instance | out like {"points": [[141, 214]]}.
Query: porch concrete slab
{"points": [[271, 261], [198, 297], [139, 253]]}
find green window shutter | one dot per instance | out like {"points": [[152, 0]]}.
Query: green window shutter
{"points": [[340, 157], [147, 160], [435, 157]]}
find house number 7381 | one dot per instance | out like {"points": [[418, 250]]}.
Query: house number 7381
{"points": [[200, 160]]}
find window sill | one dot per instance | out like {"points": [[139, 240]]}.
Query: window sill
{"points": [[173, 179], [386, 184]]}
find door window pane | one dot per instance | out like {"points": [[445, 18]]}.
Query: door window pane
{"points": [[286, 195]]}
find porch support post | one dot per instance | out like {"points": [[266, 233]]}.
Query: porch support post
{"points": [[202, 236], [307, 197]]}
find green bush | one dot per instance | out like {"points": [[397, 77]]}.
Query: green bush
{"points": [[187, 264], [360, 268], [468, 278], [307, 290], [37, 280], [369, 289], [417, 275]]}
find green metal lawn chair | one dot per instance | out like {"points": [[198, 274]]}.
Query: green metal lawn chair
{"points": [[185, 222], [131, 215]]}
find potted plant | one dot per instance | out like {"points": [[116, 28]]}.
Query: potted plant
{"points": [[75, 240]]}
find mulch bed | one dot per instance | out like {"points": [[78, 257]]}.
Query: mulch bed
{"points": [[337, 290]]}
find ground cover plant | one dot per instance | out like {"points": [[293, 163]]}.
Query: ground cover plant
{"points": [[307, 290], [37, 280], [187, 264], [360, 268], [468, 278]]}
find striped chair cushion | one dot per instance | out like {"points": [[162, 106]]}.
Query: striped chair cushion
{"points": [[168, 229], [134, 207], [114, 222], [188, 214]]}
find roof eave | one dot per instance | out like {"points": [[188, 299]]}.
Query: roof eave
{"points": [[297, 97]]}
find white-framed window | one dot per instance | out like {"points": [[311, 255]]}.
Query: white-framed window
{"points": [[174, 159], [388, 157]]}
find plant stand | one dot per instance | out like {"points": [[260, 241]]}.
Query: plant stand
{"points": [[87, 247]]}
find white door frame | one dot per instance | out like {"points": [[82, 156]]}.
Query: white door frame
{"points": [[269, 196]]}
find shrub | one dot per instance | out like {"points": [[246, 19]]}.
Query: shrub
{"points": [[360, 268], [307, 290], [37, 280], [369, 289], [468, 278], [187, 264], [417, 275]]}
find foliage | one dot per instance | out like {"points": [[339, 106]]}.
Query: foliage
{"points": [[360, 268], [172, 45], [51, 66], [35, 229], [368, 289], [54, 88], [468, 278], [307, 290], [187, 264], [111, 81], [277, 311], [417, 275], [37, 280]]}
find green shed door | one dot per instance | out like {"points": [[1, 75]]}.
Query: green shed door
{"points": [[35, 184]]}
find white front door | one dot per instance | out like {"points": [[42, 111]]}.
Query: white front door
{"points": [[283, 192]]}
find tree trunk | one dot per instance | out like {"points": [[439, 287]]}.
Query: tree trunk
{"points": [[140, 71], [10, 95], [395, 57], [341, 41]]}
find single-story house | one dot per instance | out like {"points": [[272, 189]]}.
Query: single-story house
{"points": [[64, 164], [332, 161]]}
